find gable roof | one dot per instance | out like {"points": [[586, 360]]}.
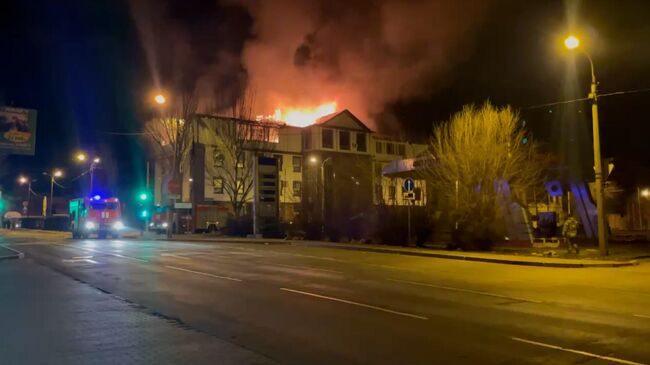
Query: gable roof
{"points": [[327, 119]]}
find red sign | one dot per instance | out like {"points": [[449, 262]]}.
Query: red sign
{"points": [[173, 187]]}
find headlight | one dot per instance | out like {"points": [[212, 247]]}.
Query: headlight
{"points": [[164, 225], [90, 225], [152, 224], [118, 225]]}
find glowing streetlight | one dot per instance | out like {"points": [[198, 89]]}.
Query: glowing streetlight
{"points": [[57, 173], [313, 159], [645, 193], [571, 42], [160, 99], [22, 180], [96, 160], [81, 157]]}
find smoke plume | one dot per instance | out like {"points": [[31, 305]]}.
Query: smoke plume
{"points": [[361, 54]]}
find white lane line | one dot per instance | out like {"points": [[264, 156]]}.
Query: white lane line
{"points": [[466, 291], [102, 252], [306, 268], [642, 316], [584, 353], [202, 273], [356, 303], [176, 256]]}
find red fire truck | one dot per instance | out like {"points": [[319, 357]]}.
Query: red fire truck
{"points": [[95, 215], [159, 220]]}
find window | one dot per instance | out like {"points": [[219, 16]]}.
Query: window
{"points": [[283, 186], [297, 188], [361, 142], [379, 147], [328, 138], [390, 148], [392, 192], [217, 159], [401, 150], [306, 142], [279, 158], [217, 186], [344, 140], [297, 163]]}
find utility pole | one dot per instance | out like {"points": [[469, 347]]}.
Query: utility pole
{"points": [[598, 166]]}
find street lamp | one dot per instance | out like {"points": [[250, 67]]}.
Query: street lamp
{"points": [[573, 42], [22, 180], [82, 157], [55, 173], [314, 160], [160, 99]]}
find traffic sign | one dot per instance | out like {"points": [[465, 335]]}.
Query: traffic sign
{"points": [[409, 184], [409, 196]]}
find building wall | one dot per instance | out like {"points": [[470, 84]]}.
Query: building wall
{"points": [[352, 176]]}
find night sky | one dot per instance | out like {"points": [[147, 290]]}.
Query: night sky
{"points": [[86, 66]]}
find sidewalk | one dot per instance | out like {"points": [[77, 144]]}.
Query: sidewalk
{"points": [[491, 257], [48, 318]]}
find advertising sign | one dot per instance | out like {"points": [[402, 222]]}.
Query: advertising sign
{"points": [[17, 131]]}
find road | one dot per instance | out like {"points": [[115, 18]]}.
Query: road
{"points": [[309, 305]]}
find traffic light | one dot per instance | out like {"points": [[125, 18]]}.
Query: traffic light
{"points": [[143, 204]]}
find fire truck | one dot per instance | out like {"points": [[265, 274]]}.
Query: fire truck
{"points": [[95, 215], [159, 220]]}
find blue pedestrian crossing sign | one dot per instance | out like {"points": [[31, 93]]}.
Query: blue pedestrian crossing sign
{"points": [[409, 184]]}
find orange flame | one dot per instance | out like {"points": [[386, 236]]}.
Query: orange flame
{"points": [[302, 117]]}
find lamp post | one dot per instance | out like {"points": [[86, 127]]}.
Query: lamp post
{"points": [[314, 160], [573, 42], [56, 173], [26, 180], [82, 157]]}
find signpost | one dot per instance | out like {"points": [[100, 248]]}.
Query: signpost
{"points": [[409, 197]]}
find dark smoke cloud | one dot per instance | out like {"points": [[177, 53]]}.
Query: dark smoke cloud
{"points": [[362, 54]]}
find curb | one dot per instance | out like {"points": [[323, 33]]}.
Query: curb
{"points": [[565, 265], [486, 259], [17, 255]]}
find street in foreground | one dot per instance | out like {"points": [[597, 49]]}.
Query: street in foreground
{"points": [[307, 305]]}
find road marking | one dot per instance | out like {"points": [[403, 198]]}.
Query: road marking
{"points": [[102, 252], [243, 253], [466, 291], [202, 273], [642, 316], [306, 268], [176, 256], [584, 353], [356, 303]]}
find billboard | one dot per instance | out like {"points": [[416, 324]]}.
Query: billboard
{"points": [[17, 131]]}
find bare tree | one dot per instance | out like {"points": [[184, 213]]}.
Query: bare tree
{"points": [[236, 139], [473, 154], [172, 133]]}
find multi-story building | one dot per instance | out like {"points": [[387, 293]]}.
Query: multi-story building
{"points": [[330, 173]]}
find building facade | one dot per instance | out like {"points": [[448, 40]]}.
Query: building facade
{"points": [[329, 173]]}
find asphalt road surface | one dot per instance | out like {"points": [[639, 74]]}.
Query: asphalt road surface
{"points": [[308, 305]]}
